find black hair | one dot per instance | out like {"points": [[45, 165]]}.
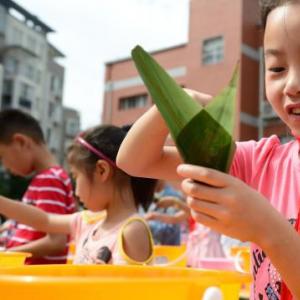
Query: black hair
{"points": [[108, 139], [14, 121], [266, 6]]}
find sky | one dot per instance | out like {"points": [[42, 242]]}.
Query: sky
{"points": [[93, 32]]}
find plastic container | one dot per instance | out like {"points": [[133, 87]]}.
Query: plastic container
{"points": [[61, 282], [13, 259], [242, 260], [171, 255], [216, 263], [71, 252]]}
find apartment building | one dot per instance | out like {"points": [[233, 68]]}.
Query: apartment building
{"points": [[71, 127], [32, 78], [221, 33]]}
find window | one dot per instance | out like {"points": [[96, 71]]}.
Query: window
{"points": [[25, 103], [72, 127], [55, 84], [29, 71], [26, 91], [6, 101], [51, 109], [213, 50], [11, 65], [8, 86], [133, 102]]}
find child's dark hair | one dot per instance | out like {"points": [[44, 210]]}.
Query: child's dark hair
{"points": [[107, 139], [266, 6], [14, 121]]}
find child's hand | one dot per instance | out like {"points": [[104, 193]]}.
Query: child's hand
{"points": [[228, 205], [168, 201], [151, 216], [202, 98]]}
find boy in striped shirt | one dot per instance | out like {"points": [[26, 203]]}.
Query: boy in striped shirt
{"points": [[23, 152]]}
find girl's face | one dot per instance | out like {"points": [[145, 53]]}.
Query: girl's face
{"points": [[88, 192], [282, 63]]}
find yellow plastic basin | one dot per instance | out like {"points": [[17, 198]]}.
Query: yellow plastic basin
{"points": [[172, 255], [13, 259], [61, 282]]}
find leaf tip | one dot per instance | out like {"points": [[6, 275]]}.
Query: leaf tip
{"points": [[136, 49]]}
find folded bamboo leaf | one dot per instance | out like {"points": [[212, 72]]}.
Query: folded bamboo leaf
{"points": [[199, 136], [158, 83], [222, 107]]}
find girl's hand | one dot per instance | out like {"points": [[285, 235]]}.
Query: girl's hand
{"points": [[151, 216], [228, 205], [167, 201]]}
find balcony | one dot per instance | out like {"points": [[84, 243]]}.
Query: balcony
{"points": [[20, 48]]}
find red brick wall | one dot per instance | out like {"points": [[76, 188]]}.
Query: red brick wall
{"points": [[170, 59]]}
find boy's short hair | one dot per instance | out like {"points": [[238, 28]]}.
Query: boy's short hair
{"points": [[14, 121]]}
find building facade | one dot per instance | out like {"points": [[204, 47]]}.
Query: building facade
{"points": [[71, 127], [32, 77], [221, 33]]}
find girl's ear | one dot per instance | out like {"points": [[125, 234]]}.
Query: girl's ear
{"points": [[103, 170]]}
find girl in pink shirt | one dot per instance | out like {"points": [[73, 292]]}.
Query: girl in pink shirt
{"points": [[260, 202], [118, 235]]}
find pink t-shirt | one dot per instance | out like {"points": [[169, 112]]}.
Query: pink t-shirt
{"points": [[88, 246], [273, 170]]}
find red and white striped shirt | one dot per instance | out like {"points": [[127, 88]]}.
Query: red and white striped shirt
{"points": [[51, 190]]}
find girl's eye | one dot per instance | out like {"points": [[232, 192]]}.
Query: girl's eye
{"points": [[277, 69]]}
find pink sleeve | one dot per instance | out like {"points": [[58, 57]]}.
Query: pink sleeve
{"points": [[250, 156]]}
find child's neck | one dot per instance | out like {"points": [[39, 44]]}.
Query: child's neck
{"points": [[44, 158], [121, 207], [119, 216]]}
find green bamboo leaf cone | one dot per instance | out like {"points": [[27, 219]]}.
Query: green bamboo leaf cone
{"points": [[203, 136]]}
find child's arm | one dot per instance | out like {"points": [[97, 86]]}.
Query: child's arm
{"points": [[177, 218], [180, 216], [228, 205], [35, 217], [143, 153], [168, 201], [137, 243], [51, 244]]}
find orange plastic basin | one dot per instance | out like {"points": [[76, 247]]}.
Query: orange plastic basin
{"points": [[13, 259], [61, 282]]}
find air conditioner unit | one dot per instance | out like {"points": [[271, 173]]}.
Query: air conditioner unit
{"points": [[267, 111]]}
